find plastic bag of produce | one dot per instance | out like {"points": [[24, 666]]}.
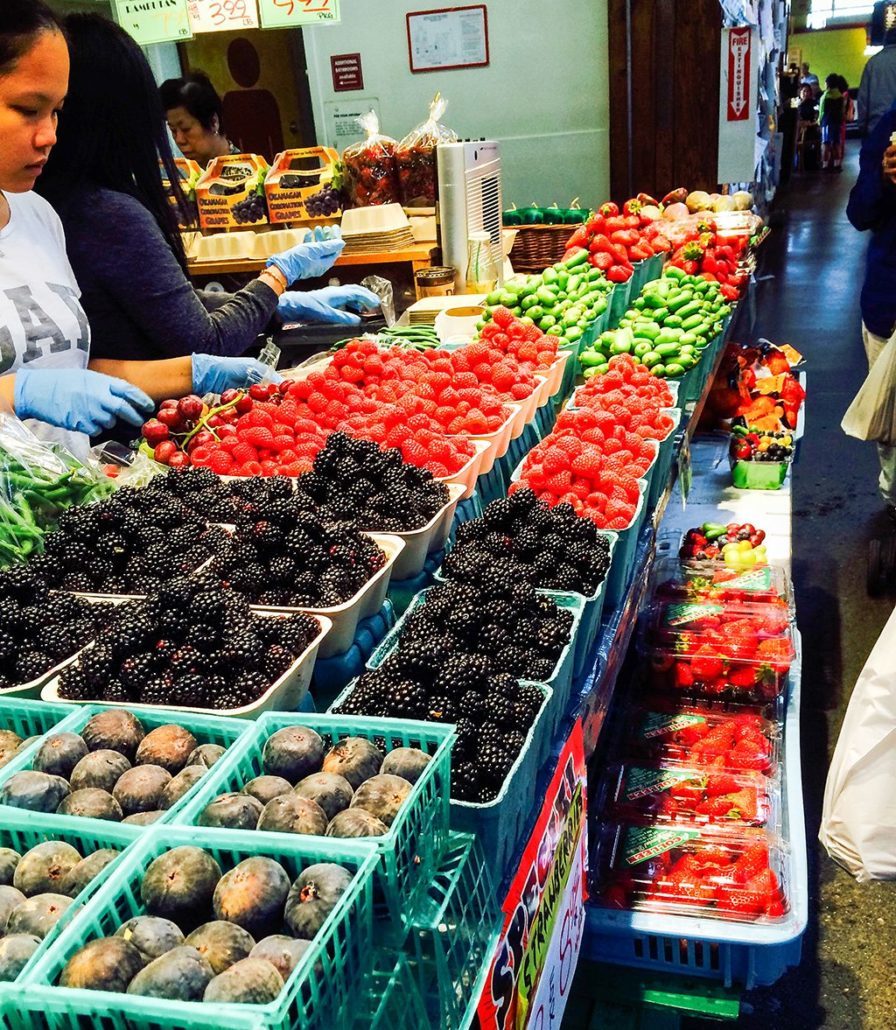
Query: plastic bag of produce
{"points": [[416, 157], [383, 289], [370, 166], [858, 821], [872, 414]]}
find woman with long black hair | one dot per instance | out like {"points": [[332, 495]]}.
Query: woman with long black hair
{"points": [[123, 240]]}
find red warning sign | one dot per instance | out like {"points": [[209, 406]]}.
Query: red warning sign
{"points": [[739, 54]]}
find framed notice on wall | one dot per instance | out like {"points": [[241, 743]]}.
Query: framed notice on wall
{"points": [[448, 37]]}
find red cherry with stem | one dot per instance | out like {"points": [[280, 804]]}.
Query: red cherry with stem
{"points": [[154, 431], [190, 407], [171, 418], [244, 404], [283, 388], [214, 422], [179, 459], [202, 439], [258, 392], [165, 451], [229, 395], [171, 402]]}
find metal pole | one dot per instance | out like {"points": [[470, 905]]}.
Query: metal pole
{"points": [[628, 93]]}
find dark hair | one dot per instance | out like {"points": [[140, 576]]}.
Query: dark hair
{"points": [[112, 132], [21, 22], [842, 84], [832, 80], [196, 93]]}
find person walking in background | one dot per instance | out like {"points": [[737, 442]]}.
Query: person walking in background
{"points": [[849, 111], [831, 109], [877, 88], [872, 208], [810, 79]]}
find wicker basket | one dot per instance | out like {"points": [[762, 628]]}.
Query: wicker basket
{"points": [[537, 246]]}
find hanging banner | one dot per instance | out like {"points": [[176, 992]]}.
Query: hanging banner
{"points": [[154, 21], [290, 14], [544, 912], [221, 15], [738, 100]]}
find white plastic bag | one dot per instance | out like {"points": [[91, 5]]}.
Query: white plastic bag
{"points": [[872, 414], [858, 822]]}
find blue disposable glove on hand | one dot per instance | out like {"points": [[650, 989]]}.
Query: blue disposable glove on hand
{"points": [[212, 374], [327, 305], [307, 260], [78, 399]]}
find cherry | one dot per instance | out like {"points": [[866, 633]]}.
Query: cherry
{"points": [[154, 431], [190, 407], [244, 404], [179, 459], [229, 396], [165, 451], [171, 418], [169, 403], [202, 439]]}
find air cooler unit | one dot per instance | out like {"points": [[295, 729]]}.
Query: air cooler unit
{"points": [[469, 200]]}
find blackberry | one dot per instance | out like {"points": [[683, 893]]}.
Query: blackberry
{"points": [[493, 639], [442, 709], [466, 620], [407, 699], [174, 623], [283, 570], [251, 685], [461, 673], [185, 659], [126, 639], [56, 641], [294, 633], [494, 762], [276, 661], [116, 691], [514, 659], [531, 697], [73, 685], [31, 664], [419, 654], [202, 637], [137, 670], [189, 691], [8, 647], [499, 709], [464, 781], [470, 706], [78, 582]]}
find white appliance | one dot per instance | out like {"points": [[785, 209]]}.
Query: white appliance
{"points": [[469, 201]]}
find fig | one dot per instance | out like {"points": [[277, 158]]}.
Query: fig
{"points": [[356, 822], [106, 964], [407, 762], [354, 758], [34, 791], [266, 788], [151, 935], [179, 885], [250, 982], [382, 796], [293, 753], [114, 730], [234, 811], [205, 755], [140, 788], [59, 754], [332, 792], [293, 814], [178, 785], [313, 896], [38, 915], [143, 818], [44, 868], [252, 895], [281, 951], [100, 770], [181, 974], [221, 943], [86, 870], [9, 859], [168, 746], [14, 954], [91, 803], [10, 899]]}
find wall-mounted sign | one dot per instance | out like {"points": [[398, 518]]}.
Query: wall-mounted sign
{"points": [[738, 99], [220, 15], [341, 120], [449, 37], [739, 58], [347, 74], [154, 21], [292, 14]]}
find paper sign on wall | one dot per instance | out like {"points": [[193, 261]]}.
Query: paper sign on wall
{"points": [[220, 15], [290, 14], [738, 96], [154, 21], [342, 120]]}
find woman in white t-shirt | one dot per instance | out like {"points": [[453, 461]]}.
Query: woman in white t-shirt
{"points": [[44, 333]]}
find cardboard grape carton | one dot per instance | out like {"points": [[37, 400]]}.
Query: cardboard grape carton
{"points": [[297, 177], [230, 192]]}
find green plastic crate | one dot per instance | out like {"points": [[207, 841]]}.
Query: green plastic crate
{"points": [[24, 834], [391, 998], [208, 729], [408, 853], [451, 948], [31, 719], [325, 984]]}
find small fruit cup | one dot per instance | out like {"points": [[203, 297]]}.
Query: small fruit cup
{"points": [[716, 582]]}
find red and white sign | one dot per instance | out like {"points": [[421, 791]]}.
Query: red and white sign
{"points": [[739, 55], [222, 15], [347, 74]]}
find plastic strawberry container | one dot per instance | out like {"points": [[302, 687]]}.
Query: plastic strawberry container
{"points": [[670, 793], [741, 651], [675, 869], [677, 580], [732, 737]]}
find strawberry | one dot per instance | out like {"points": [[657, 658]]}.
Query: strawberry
{"points": [[744, 805], [714, 807], [722, 783], [753, 860]]}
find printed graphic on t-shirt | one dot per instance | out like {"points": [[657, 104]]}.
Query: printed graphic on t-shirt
{"points": [[40, 321]]}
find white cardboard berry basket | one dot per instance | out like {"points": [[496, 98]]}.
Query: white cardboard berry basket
{"points": [[344, 618], [285, 694], [418, 543], [499, 440], [467, 475]]}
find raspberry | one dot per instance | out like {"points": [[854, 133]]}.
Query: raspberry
{"points": [[588, 463], [220, 462], [282, 442], [559, 482], [555, 459], [250, 468], [244, 453]]}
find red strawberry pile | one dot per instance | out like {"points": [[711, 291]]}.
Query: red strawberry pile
{"points": [[674, 794], [701, 736], [625, 379], [724, 875], [616, 240], [742, 650], [526, 344]]}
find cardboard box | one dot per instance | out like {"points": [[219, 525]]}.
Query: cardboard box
{"points": [[295, 176], [230, 192], [189, 172]]}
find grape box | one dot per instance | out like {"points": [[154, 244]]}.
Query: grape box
{"points": [[230, 192], [299, 185]]}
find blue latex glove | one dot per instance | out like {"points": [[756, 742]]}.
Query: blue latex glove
{"points": [[307, 260], [323, 232], [212, 374], [78, 399], [327, 305]]}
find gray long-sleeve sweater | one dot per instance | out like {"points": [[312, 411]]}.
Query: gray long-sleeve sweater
{"points": [[139, 302]]}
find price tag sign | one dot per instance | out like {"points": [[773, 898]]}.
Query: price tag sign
{"points": [[684, 470], [289, 14], [220, 15], [154, 21]]}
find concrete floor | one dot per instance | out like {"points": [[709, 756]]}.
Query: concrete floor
{"points": [[810, 277]]}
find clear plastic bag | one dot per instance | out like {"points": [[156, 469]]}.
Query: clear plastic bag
{"points": [[370, 166], [383, 289], [416, 156]]}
